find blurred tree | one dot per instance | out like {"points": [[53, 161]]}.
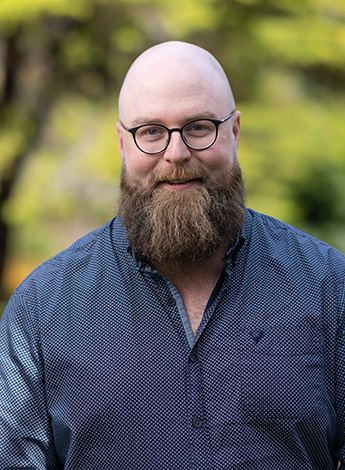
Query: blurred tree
{"points": [[49, 49], [62, 63]]}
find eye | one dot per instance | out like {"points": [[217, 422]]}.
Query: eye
{"points": [[199, 128], [151, 132]]}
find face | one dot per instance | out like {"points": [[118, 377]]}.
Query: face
{"points": [[173, 96], [181, 204]]}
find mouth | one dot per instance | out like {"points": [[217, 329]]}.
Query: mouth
{"points": [[180, 184], [178, 181]]}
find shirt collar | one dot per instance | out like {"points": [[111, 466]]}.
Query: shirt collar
{"points": [[243, 237]]}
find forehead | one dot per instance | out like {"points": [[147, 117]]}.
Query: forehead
{"points": [[162, 89]]}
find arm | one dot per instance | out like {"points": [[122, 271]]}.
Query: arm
{"points": [[340, 384], [25, 432]]}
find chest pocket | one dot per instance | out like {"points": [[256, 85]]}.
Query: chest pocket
{"points": [[281, 372]]}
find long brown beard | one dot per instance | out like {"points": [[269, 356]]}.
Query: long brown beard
{"points": [[179, 226]]}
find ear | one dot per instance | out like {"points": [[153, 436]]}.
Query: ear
{"points": [[120, 139], [236, 127]]}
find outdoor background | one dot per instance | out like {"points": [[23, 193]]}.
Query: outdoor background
{"points": [[61, 66]]}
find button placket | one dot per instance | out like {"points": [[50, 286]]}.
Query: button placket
{"points": [[197, 422], [193, 357], [199, 443], [171, 301]]}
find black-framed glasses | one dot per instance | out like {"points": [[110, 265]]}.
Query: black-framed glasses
{"points": [[199, 134]]}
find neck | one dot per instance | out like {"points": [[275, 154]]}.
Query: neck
{"points": [[197, 271], [195, 282]]}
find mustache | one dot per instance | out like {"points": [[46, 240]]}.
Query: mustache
{"points": [[177, 173]]}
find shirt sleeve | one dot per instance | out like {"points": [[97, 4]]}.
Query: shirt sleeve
{"points": [[340, 383], [25, 433]]}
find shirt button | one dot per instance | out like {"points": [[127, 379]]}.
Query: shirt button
{"points": [[197, 422], [193, 357], [171, 301]]}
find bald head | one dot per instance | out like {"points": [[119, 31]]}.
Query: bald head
{"points": [[174, 68]]}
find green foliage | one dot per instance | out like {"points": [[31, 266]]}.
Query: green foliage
{"points": [[15, 132], [17, 12], [299, 176], [321, 41], [74, 170]]}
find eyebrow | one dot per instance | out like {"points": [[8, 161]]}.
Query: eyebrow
{"points": [[142, 120]]}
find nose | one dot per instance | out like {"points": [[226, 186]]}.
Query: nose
{"points": [[177, 151]]}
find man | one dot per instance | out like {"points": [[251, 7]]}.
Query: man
{"points": [[189, 332]]}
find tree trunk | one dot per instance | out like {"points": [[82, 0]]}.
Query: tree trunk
{"points": [[9, 173]]}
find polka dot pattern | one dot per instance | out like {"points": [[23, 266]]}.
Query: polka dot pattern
{"points": [[96, 370]]}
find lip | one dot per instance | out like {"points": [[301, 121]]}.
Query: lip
{"points": [[179, 185]]}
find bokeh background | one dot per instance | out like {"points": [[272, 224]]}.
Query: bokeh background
{"points": [[61, 66]]}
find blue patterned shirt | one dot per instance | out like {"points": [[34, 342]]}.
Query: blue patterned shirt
{"points": [[99, 369]]}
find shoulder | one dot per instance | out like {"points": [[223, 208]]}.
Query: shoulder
{"points": [[280, 240], [65, 288], [83, 260], [275, 229]]}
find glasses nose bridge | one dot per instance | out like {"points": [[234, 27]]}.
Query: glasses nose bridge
{"points": [[180, 131]]}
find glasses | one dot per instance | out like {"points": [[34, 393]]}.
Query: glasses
{"points": [[199, 134]]}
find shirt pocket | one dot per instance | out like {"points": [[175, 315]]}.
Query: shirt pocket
{"points": [[281, 372]]}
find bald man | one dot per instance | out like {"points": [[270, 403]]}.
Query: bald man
{"points": [[189, 332]]}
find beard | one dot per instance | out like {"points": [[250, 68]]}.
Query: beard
{"points": [[176, 227]]}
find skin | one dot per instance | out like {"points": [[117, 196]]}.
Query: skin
{"points": [[171, 84]]}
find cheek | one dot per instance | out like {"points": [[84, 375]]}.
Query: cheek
{"points": [[221, 158], [139, 167]]}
